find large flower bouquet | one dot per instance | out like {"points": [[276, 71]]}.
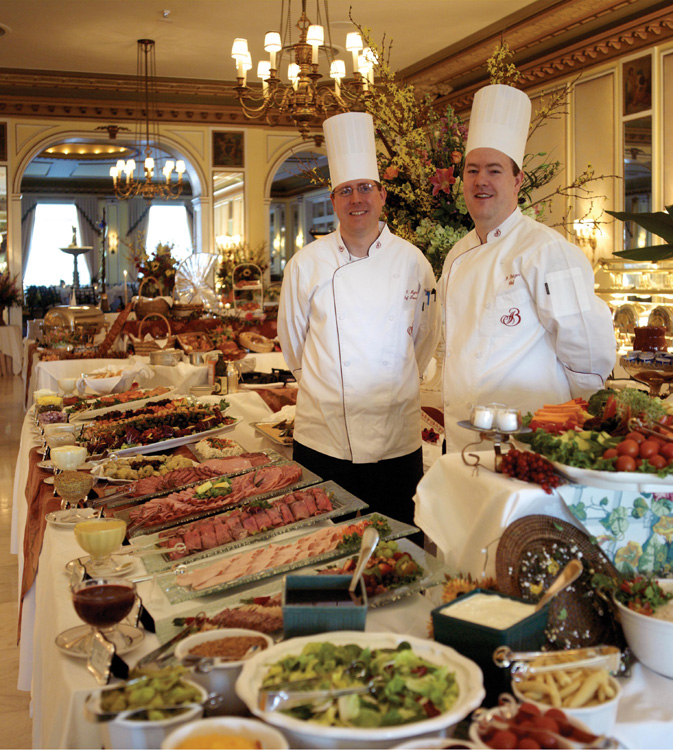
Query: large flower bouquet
{"points": [[160, 265]]}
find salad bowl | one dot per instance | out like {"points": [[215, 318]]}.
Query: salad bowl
{"points": [[308, 734]]}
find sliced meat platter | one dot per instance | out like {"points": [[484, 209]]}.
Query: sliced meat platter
{"points": [[254, 521], [242, 567], [188, 505]]}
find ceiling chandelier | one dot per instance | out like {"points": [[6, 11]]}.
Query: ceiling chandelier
{"points": [[147, 133], [306, 98]]}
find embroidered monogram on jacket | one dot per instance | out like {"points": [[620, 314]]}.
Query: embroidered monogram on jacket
{"points": [[513, 317], [512, 278], [412, 293]]}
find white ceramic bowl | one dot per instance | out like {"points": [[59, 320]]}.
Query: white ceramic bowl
{"points": [[267, 737], [600, 719], [222, 678], [303, 734], [122, 734], [650, 639], [434, 743]]}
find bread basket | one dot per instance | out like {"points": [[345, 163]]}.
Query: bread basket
{"points": [[255, 342], [142, 347], [148, 305]]}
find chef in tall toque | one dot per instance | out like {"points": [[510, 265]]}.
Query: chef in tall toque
{"points": [[358, 323], [523, 326]]}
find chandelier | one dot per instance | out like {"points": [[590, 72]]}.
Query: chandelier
{"points": [[306, 97], [147, 133]]}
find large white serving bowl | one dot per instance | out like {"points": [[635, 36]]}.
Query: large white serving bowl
{"points": [[222, 677], [650, 638], [252, 729], [600, 718], [304, 734]]}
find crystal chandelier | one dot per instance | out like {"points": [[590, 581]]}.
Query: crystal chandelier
{"points": [[306, 98], [147, 133]]}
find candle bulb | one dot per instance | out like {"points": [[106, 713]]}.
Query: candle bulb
{"points": [[126, 289]]}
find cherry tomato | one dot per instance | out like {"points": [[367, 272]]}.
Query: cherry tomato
{"points": [[528, 743], [625, 463], [666, 450], [612, 453], [658, 440], [503, 739], [527, 710], [637, 436], [628, 448], [546, 722], [648, 448], [658, 461]]}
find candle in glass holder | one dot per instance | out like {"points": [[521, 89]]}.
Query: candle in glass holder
{"points": [[482, 417], [508, 420]]}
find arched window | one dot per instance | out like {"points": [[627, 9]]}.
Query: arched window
{"points": [[168, 226]]}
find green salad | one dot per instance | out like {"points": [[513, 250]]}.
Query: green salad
{"points": [[404, 687]]}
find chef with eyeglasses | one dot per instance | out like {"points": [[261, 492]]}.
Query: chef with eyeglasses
{"points": [[523, 326], [358, 324]]}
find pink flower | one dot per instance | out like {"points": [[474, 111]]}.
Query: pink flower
{"points": [[249, 316], [456, 156], [442, 181], [391, 173]]}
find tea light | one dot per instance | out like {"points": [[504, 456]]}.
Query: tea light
{"points": [[508, 420], [482, 417]]}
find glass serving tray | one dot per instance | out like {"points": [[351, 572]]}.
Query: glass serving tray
{"points": [[342, 500], [433, 575], [114, 500], [176, 442], [86, 414], [176, 593], [307, 478]]}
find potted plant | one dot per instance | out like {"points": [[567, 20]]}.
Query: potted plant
{"points": [[10, 293]]}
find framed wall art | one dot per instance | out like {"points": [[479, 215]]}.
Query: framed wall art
{"points": [[637, 76], [228, 149]]}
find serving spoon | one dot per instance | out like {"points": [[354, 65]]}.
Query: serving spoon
{"points": [[370, 538], [571, 572]]}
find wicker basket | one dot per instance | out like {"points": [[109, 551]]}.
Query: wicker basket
{"points": [[255, 342], [147, 305], [145, 347]]}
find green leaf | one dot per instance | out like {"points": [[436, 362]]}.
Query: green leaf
{"points": [[651, 253], [658, 223], [578, 510]]}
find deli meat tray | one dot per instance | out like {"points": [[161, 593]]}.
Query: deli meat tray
{"points": [[247, 526], [252, 605], [120, 498], [162, 513], [255, 562]]}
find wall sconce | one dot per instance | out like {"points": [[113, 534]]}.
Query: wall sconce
{"points": [[113, 242], [585, 232]]}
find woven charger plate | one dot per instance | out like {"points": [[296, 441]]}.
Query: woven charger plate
{"points": [[531, 553]]}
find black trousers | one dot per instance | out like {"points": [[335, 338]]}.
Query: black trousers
{"points": [[387, 486]]}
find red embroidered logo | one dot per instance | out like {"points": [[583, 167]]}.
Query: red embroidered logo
{"points": [[513, 318], [512, 278], [412, 293], [497, 233], [410, 330]]}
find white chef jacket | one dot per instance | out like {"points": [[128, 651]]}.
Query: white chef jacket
{"points": [[523, 326], [358, 334]]}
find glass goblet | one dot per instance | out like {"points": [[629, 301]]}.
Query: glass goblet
{"points": [[71, 485], [103, 604], [100, 537]]}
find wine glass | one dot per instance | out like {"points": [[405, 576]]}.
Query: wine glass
{"points": [[100, 537], [68, 386], [70, 484], [103, 604]]}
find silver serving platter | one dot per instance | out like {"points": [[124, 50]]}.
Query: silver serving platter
{"points": [[307, 478], [433, 576], [176, 593], [115, 499], [342, 500]]}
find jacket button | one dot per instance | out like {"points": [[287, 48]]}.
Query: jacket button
{"points": [[396, 276], [341, 317], [478, 355], [447, 354], [391, 317], [385, 363], [488, 305], [347, 363]]}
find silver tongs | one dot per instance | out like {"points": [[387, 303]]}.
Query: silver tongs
{"points": [[606, 657], [300, 693], [165, 651]]}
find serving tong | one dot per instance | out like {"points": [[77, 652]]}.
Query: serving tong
{"points": [[596, 657]]}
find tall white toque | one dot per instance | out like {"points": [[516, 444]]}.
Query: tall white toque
{"points": [[351, 148], [500, 119]]}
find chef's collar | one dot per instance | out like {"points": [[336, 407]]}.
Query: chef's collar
{"points": [[373, 248], [505, 227]]}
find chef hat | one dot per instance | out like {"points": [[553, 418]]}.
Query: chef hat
{"points": [[500, 119], [351, 148]]}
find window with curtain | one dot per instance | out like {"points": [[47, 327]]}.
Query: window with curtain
{"points": [[168, 226], [47, 265]]}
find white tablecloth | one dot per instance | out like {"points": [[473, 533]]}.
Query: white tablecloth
{"points": [[10, 346]]}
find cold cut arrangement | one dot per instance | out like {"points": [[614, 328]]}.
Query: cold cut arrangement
{"points": [[247, 521], [178, 505]]}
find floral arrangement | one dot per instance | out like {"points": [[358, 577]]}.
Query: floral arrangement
{"points": [[235, 255], [10, 290], [222, 333], [161, 265]]}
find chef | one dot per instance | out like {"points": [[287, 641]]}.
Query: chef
{"points": [[523, 326], [358, 323]]}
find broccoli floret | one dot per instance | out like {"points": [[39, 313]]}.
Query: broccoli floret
{"points": [[598, 400]]}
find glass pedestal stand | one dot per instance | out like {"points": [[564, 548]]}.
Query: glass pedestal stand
{"points": [[499, 438]]}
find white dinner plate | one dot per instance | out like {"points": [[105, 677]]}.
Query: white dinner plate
{"points": [[66, 519]]}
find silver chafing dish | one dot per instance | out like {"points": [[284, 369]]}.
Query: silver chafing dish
{"points": [[85, 320]]}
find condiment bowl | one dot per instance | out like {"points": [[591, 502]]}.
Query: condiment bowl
{"points": [[650, 638], [218, 732], [221, 678], [600, 718]]}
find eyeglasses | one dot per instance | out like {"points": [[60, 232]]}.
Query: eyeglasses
{"points": [[364, 188]]}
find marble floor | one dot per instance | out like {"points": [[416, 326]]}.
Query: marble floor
{"points": [[15, 723]]}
